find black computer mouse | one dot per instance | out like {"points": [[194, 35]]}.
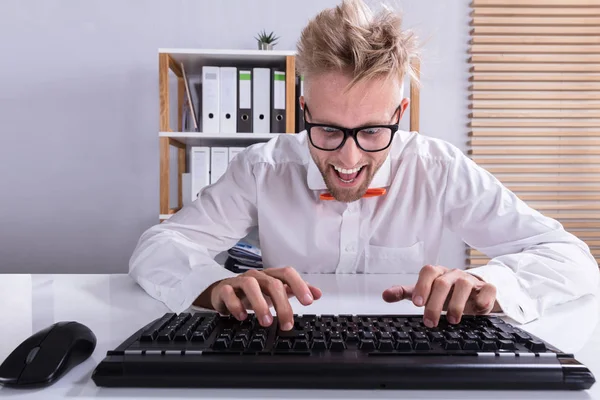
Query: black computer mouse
{"points": [[47, 355]]}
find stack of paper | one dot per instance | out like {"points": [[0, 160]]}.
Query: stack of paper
{"points": [[243, 257]]}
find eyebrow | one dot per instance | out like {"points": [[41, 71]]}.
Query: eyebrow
{"points": [[368, 123]]}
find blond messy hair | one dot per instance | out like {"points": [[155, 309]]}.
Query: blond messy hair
{"points": [[351, 39]]}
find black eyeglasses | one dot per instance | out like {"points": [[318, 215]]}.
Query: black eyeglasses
{"points": [[370, 138]]}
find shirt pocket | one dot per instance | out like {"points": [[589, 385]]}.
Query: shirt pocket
{"points": [[394, 260]]}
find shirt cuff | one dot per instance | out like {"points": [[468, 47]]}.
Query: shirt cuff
{"points": [[511, 297], [196, 282]]}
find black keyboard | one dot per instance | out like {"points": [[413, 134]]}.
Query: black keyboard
{"points": [[338, 351]]}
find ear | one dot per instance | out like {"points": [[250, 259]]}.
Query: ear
{"points": [[403, 105], [302, 102]]}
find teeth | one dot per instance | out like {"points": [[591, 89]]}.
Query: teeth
{"points": [[347, 171]]}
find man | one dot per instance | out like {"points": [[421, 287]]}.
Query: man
{"points": [[353, 194]]}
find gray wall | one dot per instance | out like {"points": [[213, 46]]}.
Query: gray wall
{"points": [[79, 112]]}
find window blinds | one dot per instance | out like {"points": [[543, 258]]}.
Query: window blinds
{"points": [[535, 107]]}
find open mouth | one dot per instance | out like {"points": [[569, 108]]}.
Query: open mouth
{"points": [[348, 176]]}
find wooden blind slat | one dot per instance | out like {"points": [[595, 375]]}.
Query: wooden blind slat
{"points": [[534, 142], [554, 197], [525, 133], [535, 3], [546, 86], [537, 160], [543, 170], [535, 114], [553, 188], [555, 151], [538, 105], [533, 124], [535, 58], [547, 21], [532, 67], [534, 77], [546, 95], [551, 179], [536, 11], [534, 30], [507, 39], [539, 48]]}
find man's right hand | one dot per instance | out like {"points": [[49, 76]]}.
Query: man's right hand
{"points": [[258, 291]]}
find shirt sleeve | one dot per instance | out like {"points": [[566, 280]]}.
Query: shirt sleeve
{"points": [[174, 260], [534, 263]]}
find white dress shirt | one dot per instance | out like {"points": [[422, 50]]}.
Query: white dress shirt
{"points": [[431, 185]]}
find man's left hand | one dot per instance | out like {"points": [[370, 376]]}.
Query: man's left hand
{"points": [[455, 291]]}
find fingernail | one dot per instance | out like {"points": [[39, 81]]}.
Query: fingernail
{"points": [[428, 323], [308, 298], [242, 316], [267, 319], [418, 301], [452, 319], [287, 326]]}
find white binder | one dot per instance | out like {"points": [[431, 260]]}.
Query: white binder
{"points": [[261, 96], [219, 159], [228, 95], [210, 99], [233, 151], [200, 169]]}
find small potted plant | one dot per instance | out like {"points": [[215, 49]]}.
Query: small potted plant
{"points": [[266, 41]]}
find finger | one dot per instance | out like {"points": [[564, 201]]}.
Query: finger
{"points": [[397, 293], [316, 292], [422, 290], [484, 299], [275, 289], [440, 290], [254, 294], [290, 276], [232, 303], [462, 290]]}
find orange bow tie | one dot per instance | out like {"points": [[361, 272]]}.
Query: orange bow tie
{"points": [[370, 193]]}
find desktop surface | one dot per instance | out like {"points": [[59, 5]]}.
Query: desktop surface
{"points": [[114, 307]]}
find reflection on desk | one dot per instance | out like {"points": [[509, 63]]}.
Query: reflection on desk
{"points": [[114, 307]]}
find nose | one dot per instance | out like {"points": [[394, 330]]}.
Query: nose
{"points": [[350, 154]]}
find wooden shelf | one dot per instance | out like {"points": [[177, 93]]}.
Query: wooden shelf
{"points": [[195, 138], [194, 59]]}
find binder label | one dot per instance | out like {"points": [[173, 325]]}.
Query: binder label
{"points": [[245, 89], [279, 90]]}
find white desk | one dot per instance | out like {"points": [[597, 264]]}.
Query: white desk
{"points": [[114, 307]]}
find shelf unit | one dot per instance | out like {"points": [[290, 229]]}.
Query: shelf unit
{"points": [[169, 61]]}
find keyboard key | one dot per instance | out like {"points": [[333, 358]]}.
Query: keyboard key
{"points": [[319, 345], [452, 345], [403, 345], [221, 344], [256, 344], [337, 345], [470, 345], [435, 336], [488, 345], [366, 345], [239, 343], [535, 346], [521, 337], [422, 345], [506, 345], [385, 345], [301, 344], [418, 336], [283, 344]]}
